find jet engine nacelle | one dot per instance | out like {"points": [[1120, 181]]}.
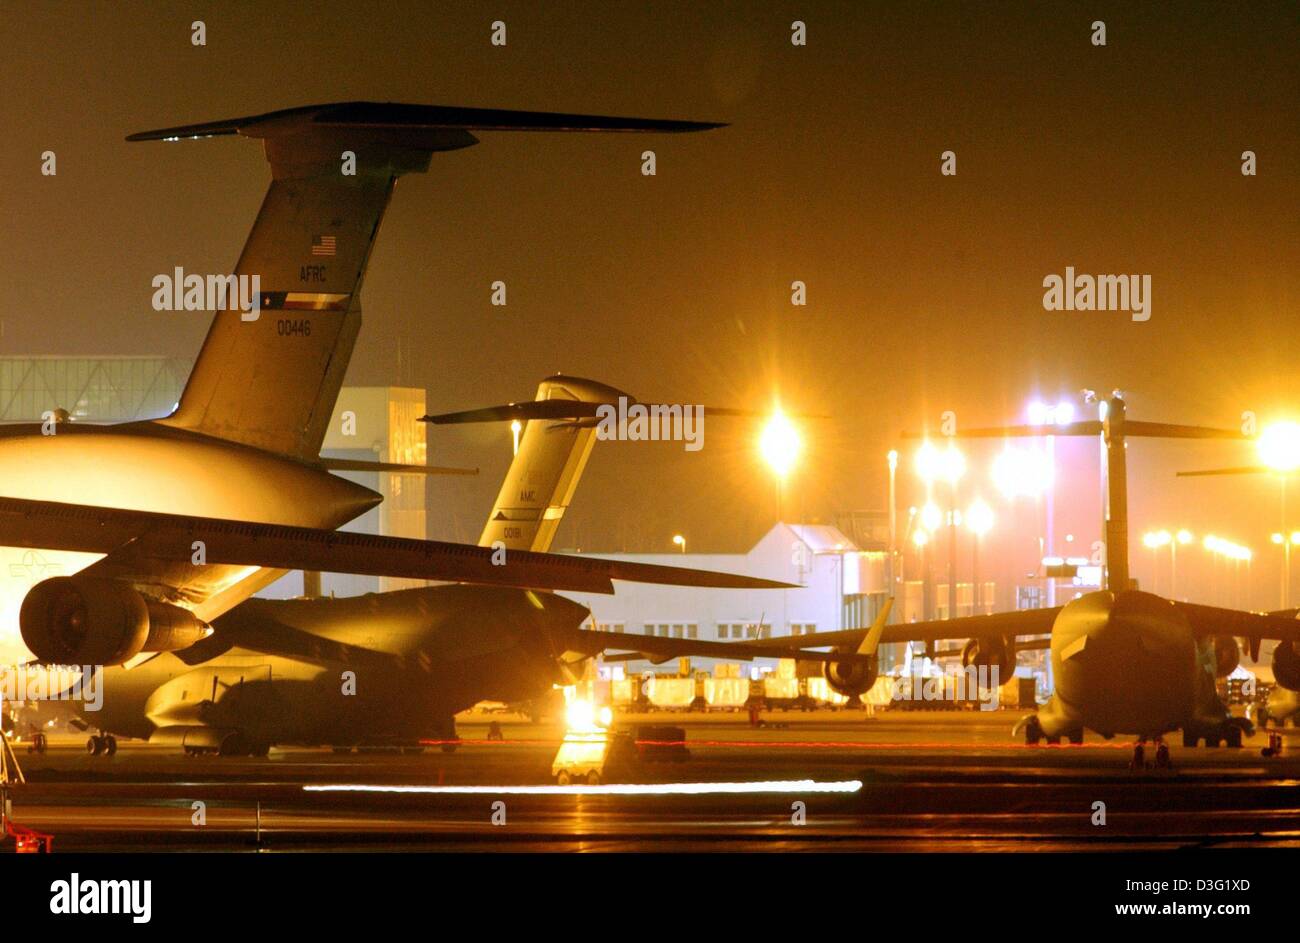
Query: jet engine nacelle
{"points": [[850, 679], [1227, 655], [1286, 666], [999, 653], [74, 620]]}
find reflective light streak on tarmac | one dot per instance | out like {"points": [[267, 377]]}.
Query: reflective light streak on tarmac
{"points": [[612, 789], [1117, 744]]}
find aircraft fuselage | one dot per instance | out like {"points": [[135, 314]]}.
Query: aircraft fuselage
{"points": [[147, 466], [380, 668], [1128, 663]]}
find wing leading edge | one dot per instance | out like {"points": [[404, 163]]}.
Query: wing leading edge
{"points": [[132, 539]]}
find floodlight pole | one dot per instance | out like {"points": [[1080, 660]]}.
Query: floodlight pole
{"points": [[1286, 552], [1051, 515], [892, 459], [1173, 568], [1117, 572], [952, 548]]}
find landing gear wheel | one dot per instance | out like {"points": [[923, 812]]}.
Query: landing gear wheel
{"points": [[1162, 755], [1033, 731], [95, 746], [110, 745], [1139, 760]]}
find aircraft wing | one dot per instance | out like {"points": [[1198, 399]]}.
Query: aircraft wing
{"points": [[1001, 624], [138, 544], [285, 641], [622, 647], [661, 649], [1204, 620], [1256, 626], [1022, 644]]}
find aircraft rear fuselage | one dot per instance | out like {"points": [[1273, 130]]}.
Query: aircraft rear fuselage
{"points": [[145, 466]]}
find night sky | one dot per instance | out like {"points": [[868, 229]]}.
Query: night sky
{"points": [[925, 291]]}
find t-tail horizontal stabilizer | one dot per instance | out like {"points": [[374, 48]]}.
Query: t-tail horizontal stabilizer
{"points": [[1132, 427], [360, 465], [558, 430], [1113, 427], [1242, 470], [388, 116], [272, 364]]}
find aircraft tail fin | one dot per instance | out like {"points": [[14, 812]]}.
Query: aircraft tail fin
{"points": [[270, 370], [555, 442], [557, 431], [871, 641]]}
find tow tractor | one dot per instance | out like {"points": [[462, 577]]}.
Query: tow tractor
{"points": [[587, 745]]}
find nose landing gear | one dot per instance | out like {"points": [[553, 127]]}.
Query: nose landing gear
{"points": [[1032, 729], [1162, 753], [1139, 760]]}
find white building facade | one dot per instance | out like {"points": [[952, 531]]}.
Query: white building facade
{"points": [[839, 587]]}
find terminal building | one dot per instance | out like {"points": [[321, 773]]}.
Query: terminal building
{"points": [[840, 586], [91, 389]]}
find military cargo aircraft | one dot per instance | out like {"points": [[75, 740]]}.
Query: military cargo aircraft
{"points": [[187, 516], [1124, 661]]}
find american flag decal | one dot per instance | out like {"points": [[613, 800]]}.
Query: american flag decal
{"points": [[323, 245]]}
